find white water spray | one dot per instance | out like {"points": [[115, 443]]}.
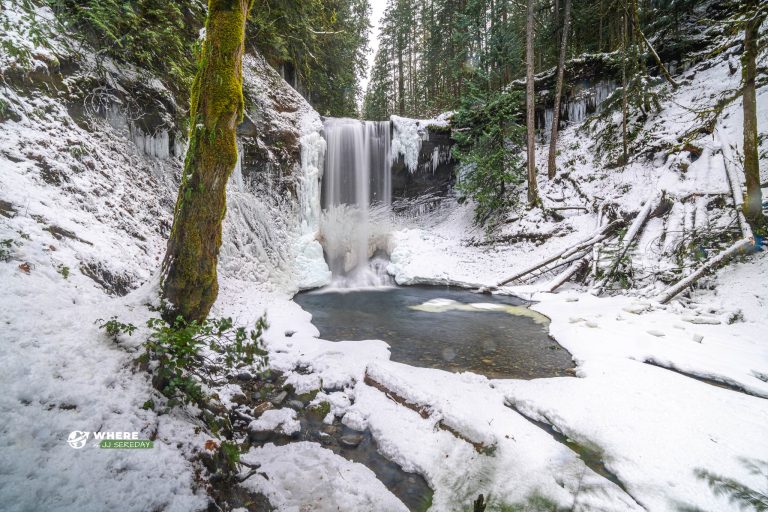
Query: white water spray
{"points": [[357, 193]]}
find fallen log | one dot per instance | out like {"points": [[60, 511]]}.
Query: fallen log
{"points": [[598, 236], [634, 229], [425, 412], [572, 270], [708, 265]]}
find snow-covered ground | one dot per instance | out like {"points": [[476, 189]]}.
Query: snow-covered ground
{"points": [[634, 401]]}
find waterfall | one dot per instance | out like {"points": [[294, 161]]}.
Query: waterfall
{"points": [[356, 197]]}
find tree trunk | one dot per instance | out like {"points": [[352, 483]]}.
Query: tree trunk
{"points": [[641, 36], [624, 86], [551, 164], [533, 194], [400, 77], [189, 281], [753, 209]]}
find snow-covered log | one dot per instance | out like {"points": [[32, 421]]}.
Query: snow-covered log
{"points": [[426, 412], [734, 181], [632, 232], [598, 236], [566, 275], [710, 264]]}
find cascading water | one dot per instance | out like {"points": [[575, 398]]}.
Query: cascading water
{"points": [[356, 197]]}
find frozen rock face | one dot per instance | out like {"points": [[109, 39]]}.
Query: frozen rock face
{"points": [[434, 172], [105, 137], [583, 98], [272, 223]]}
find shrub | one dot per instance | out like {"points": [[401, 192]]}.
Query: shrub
{"points": [[63, 270], [114, 327], [185, 355]]}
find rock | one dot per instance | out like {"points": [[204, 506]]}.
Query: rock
{"points": [[351, 440], [288, 334], [261, 436], [259, 409], [296, 405], [637, 308], [701, 320], [572, 299], [697, 338], [325, 439], [244, 375], [279, 398], [591, 324], [654, 332]]}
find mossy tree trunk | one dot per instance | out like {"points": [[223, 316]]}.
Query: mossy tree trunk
{"points": [[189, 280], [753, 209]]}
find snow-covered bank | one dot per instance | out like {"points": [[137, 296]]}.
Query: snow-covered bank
{"points": [[85, 208]]}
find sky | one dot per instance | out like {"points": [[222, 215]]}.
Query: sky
{"points": [[377, 11]]}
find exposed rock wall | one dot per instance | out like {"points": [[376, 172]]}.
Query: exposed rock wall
{"points": [[435, 171]]}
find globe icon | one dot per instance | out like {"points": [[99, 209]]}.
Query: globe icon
{"points": [[77, 439]]}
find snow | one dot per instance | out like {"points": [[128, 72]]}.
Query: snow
{"points": [[617, 406], [634, 399], [280, 420], [407, 136], [525, 460], [306, 476]]}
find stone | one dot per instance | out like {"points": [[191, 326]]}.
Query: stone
{"points": [[244, 375], [259, 409], [654, 332], [701, 320], [261, 436], [697, 338], [279, 398], [296, 405], [351, 440]]}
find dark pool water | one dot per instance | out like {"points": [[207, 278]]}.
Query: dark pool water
{"points": [[444, 328]]}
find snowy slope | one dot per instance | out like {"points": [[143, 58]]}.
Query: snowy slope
{"points": [[86, 202]]}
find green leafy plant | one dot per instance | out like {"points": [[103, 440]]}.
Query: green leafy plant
{"points": [[737, 493], [63, 270], [114, 328], [185, 355], [153, 34], [6, 249]]}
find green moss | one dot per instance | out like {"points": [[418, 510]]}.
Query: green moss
{"points": [[320, 410], [307, 397], [437, 128], [190, 283]]}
